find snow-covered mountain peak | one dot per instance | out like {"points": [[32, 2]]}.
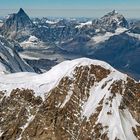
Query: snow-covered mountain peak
{"points": [[114, 12], [53, 76], [114, 19], [82, 99], [91, 94]]}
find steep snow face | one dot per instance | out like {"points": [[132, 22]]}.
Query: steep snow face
{"points": [[85, 93], [10, 61], [119, 123]]}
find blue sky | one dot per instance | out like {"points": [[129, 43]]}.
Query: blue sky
{"points": [[130, 8]]}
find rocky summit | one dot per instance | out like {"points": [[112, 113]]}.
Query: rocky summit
{"points": [[111, 21], [17, 24], [82, 99]]}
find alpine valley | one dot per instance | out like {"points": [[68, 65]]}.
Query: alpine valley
{"points": [[63, 78]]}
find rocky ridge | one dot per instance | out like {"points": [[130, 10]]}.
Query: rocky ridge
{"points": [[10, 61]]}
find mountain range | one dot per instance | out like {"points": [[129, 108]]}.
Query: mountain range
{"points": [[111, 38], [50, 91]]}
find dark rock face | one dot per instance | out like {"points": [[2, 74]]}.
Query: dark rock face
{"points": [[25, 116], [56, 33], [9, 58], [44, 64], [17, 24]]}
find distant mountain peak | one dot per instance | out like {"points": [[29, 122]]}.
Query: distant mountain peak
{"points": [[114, 12], [114, 19], [21, 11], [17, 22]]}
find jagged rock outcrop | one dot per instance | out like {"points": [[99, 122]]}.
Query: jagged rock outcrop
{"points": [[111, 21], [89, 100]]}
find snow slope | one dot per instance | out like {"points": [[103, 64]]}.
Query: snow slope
{"points": [[101, 38], [43, 83], [83, 24]]}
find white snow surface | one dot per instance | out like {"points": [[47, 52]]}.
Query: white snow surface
{"points": [[33, 38], [32, 42], [51, 22], [43, 83], [24, 56], [101, 38], [83, 24]]}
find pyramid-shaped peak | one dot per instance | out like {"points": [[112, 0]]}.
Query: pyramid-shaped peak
{"points": [[17, 22], [21, 11]]}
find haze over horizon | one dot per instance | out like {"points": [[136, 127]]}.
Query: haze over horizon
{"points": [[62, 8]]}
